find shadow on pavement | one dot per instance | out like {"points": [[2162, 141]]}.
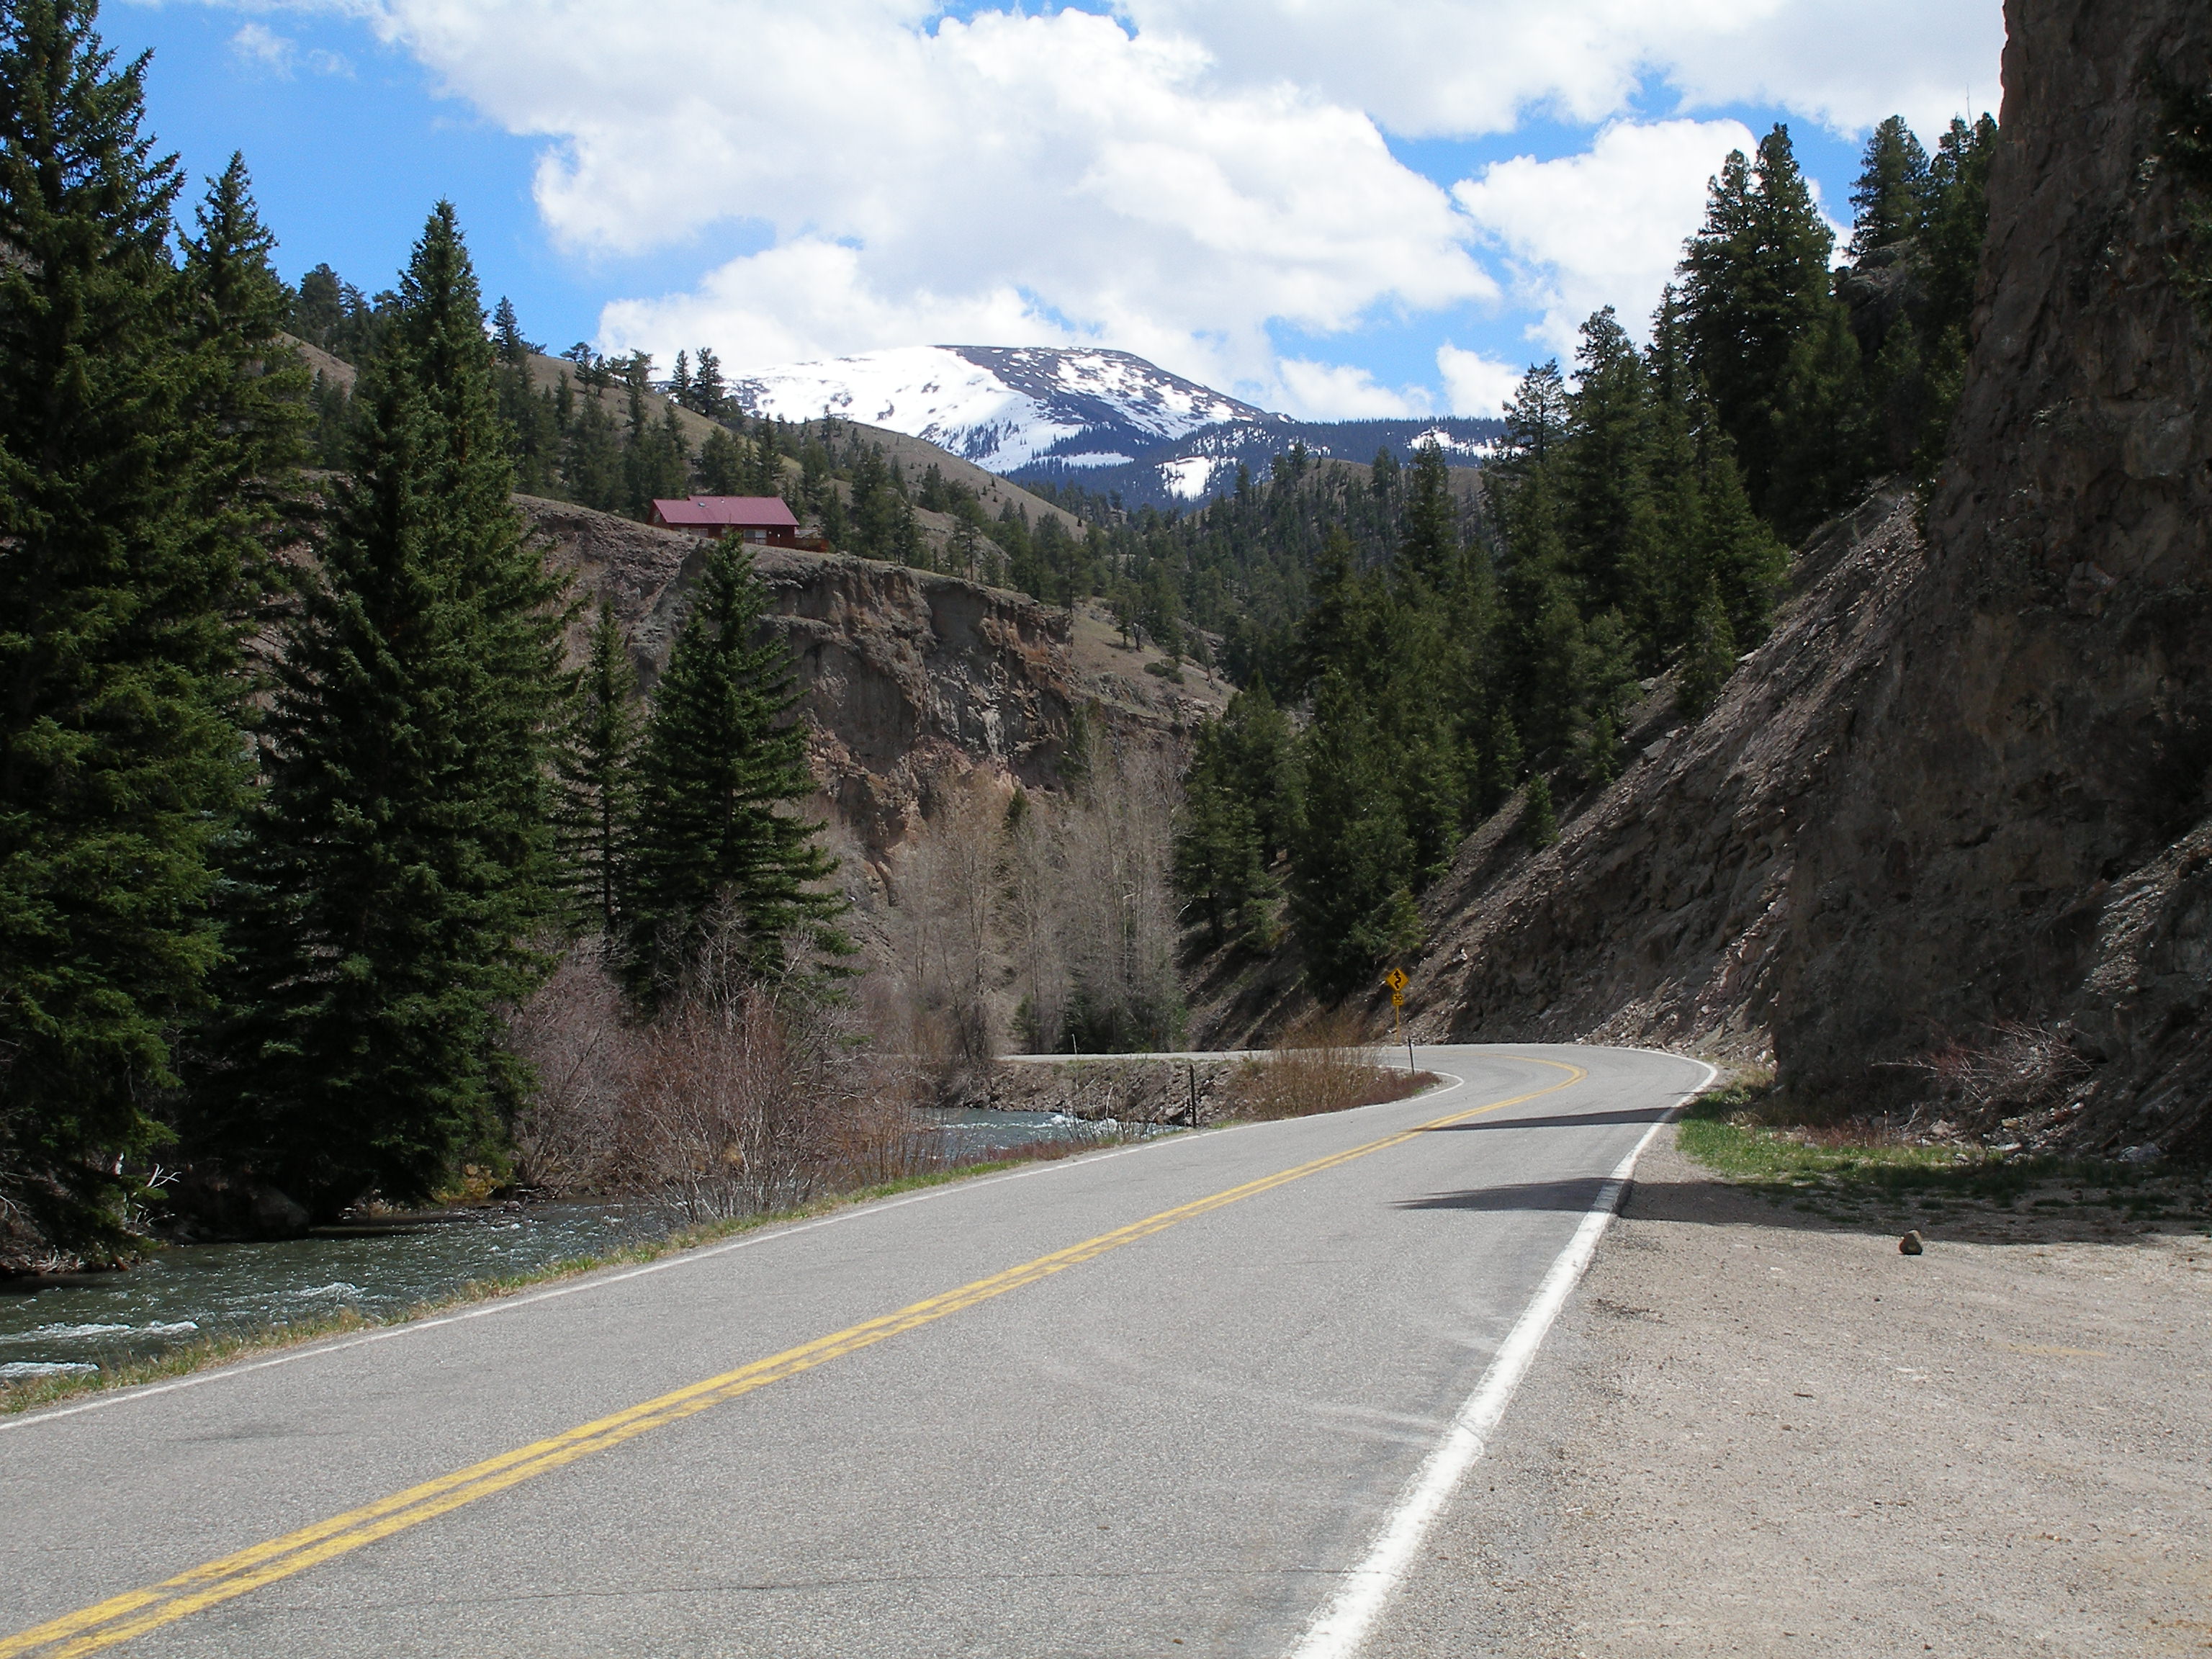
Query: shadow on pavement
{"points": [[1562, 1120], [1577, 1195]]}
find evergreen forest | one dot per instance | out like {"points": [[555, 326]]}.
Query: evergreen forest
{"points": [[301, 796]]}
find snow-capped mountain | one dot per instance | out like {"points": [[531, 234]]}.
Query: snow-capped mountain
{"points": [[1002, 407], [1107, 420]]}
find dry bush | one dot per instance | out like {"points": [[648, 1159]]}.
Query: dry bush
{"points": [[934, 1001], [574, 1036], [1322, 1064], [738, 1098], [2020, 1068]]}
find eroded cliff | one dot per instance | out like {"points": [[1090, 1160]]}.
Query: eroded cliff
{"points": [[909, 681]]}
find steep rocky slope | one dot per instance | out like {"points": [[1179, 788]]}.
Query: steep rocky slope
{"points": [[2013, 829], [908, 680], [1955, 808], [1657, 917]]}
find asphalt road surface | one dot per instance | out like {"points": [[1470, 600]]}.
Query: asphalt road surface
{"points": [[1192, 1397]]}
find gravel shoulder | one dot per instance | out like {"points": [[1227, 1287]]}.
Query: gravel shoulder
{"points": [[1760, 1430]]}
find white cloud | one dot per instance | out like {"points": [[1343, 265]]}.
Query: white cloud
{"points": [[1342, 392], [259, 45], [1461, 67], [1475, 384], [262, 48], [1605, 228], [1170, 180]]}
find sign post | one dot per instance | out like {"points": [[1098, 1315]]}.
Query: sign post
{"points": [[1395, 979]]}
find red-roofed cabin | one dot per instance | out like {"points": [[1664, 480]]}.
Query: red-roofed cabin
{"points": [[754, 518]]}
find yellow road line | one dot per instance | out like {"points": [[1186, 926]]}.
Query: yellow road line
{"points": [[133, 1613]]}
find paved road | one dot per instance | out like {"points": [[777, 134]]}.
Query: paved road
{"points": [[1157, 1401]]}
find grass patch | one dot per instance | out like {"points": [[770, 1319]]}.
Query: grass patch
{"points": [[1745, 1133], [32, 1393]]}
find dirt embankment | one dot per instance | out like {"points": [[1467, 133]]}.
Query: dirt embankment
{"points": [[1759, 1428]]}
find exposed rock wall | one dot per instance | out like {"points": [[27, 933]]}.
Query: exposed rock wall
{"points": [[909, 681], [2010, 828]]}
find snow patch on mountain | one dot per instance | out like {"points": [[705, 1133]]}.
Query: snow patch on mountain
{"points": [[1001, 407]]}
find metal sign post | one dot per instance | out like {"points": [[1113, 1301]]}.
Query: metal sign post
{"points": [[1395, 979]]}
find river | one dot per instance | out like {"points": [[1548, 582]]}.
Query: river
{"points": [[89, 1322]]}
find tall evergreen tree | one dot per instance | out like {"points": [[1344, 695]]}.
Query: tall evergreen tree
{"points": [[1890, 198], [1352, 874], [400, 860], [598, 785], [254, 393], [721, 769], [118, 752], [1430, 550], [1755, 283]]}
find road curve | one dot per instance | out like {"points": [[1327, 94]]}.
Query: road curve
{"points": [[1174, 1399]]}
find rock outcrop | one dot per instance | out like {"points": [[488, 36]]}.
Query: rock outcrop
{"points": [[909, 681], [2012, 829]]}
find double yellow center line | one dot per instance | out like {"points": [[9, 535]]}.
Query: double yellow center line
{"points": [[133, 1613]]}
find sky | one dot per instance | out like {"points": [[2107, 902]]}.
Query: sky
{"points": [[1339, 208]]}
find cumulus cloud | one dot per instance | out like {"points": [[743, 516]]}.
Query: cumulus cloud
{"points": [[261, 48], [1605, 228], [1050, 177], [1475, 384], [1171, 178], [1453, 68], [1344, 391]]}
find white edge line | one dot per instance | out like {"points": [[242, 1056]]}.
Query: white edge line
{"points": [[599, 1278], [1345, 1619]]}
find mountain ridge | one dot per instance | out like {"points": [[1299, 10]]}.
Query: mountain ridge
{"points": [[1105, 419]]}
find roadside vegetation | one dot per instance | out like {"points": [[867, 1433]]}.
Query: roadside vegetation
{"points": [[1322, 1064], [1926, 1174]]}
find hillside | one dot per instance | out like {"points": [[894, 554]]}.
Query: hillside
{"points": [[909, 681], [1952, 812], [914, 454]]}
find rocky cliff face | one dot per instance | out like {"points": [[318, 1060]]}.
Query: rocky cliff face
{"points": [[2012, 829], [908, 681]]}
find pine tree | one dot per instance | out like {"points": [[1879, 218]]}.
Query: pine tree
{"points": [[1539, 818], [719, 771], [599, 785], [1352, 873], [1219, 862], [1710, 656], [507, 336], [118, 643], [252, 400], [1607, 516], [1755, 282], [400, 860], [1429, 553], [710, 395], [1890, 197], [721, 468]]}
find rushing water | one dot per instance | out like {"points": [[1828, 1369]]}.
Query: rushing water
{"points": [[90, 1321]]}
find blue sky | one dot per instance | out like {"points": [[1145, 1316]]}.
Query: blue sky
{"points": [[1337, 209]]}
